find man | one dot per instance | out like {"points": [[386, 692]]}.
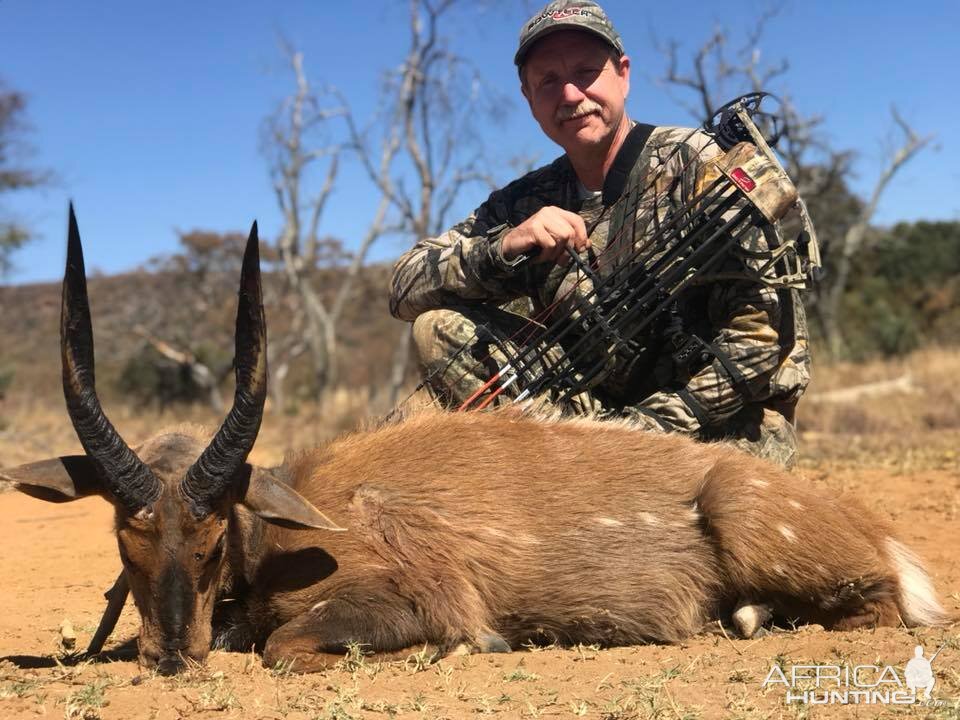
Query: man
{"points": [[746, 375]]}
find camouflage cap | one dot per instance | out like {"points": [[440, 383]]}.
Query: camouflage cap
{"points": [[567, 15]]}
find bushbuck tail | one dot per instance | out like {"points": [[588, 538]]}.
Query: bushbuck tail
{"points": [[471, 531]]}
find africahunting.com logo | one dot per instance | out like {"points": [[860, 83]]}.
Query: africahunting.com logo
{"points": [[858, 684]]}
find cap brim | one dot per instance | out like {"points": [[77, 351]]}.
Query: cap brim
{"points": [[524, 49]]}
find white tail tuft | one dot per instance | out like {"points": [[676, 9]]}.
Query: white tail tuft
{"points": [[918, 599]]}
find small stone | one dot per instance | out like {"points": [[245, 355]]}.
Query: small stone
{"points": [[68, 636]]}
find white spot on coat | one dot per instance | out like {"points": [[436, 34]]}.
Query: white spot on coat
{"points": [[787, 533], [517, 538], [609, 522], [795, 505]]}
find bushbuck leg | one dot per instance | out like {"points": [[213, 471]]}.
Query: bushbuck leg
{"points": [[116, 598], [861, 603], [791, 552], [372, 618]]}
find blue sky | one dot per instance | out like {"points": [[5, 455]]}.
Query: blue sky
{"points": [[149, 113]]}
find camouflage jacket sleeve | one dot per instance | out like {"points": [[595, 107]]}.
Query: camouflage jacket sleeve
{"points": [[743, 317], [465, 263]]}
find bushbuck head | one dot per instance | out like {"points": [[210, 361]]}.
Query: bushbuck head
{"points": [[173, 494]]}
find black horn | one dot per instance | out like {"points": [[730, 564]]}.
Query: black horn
{"points": [[122, 472], [211, 475]]}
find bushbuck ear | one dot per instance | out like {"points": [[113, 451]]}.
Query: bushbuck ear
{"points": [[278, 503], [59, 479]]}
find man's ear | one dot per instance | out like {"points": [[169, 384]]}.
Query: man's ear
{"points": [[278, 503], [60, 479], [623, 70], [524, 90]]}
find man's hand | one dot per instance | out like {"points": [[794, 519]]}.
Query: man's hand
{"points": [[550, 230]]}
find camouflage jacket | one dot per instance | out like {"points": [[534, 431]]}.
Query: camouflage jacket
{"points": [[758, 332]]}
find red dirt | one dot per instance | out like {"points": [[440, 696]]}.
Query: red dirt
{"points": [[58, 559]]}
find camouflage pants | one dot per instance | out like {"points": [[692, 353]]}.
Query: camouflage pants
{"points": [[461, 349], [759, 431]]}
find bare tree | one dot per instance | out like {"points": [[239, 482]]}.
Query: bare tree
{"points": [[718, 74], [202, 276], [418, 151], [15, 174], [853, 238], [288, 132], [429, 103], [820, 171]]}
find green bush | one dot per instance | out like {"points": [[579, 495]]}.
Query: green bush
{"points": [[904, 291]]}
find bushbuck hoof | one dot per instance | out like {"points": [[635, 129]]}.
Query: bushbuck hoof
{"points": [[749, 618], [491, 642], [487, 641]]}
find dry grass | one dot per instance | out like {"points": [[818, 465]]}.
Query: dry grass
{"points": [[932, 404], [920, 426], [653, 683], [916, 429], [35, 428]]}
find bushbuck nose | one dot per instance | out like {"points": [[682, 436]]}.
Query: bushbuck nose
{"points": [[170, 665]]}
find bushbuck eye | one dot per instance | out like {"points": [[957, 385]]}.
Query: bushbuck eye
{"points": [[214, 554], [125, 558]]}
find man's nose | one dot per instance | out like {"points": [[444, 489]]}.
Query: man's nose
{"points": [[571, 93]]}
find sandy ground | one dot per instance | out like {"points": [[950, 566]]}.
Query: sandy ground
{"points": [[58, 559]]}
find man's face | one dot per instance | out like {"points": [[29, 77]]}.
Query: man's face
{"points": [[575, 90]]}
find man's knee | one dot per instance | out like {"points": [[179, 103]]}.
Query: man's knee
{"points": [[764, 433], [778, 440], [437, 334], [782, 439]]}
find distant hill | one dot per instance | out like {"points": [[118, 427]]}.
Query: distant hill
{"points": [[166, 305]]}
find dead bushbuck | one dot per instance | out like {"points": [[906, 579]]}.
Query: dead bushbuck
{"points": [[478, 531]]}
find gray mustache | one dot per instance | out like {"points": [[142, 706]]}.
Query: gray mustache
{"points": [[584, 108]]}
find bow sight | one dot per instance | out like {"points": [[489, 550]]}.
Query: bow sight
{"points": [[728, 128]]}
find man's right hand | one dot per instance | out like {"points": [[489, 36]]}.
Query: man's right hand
{"points": [[549, 230]]}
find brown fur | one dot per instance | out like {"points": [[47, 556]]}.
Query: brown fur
{"points": [[491, 530], [463, 525]]}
